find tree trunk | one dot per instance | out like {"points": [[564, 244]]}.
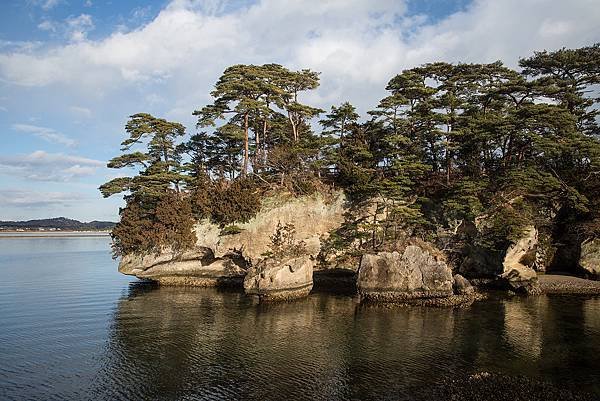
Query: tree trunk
{"points": [[294, 128], [448, 161], [245, 166]]}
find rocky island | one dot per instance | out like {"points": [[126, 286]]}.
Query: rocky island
{"points": [[465, 178]]}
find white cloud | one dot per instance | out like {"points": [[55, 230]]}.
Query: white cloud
{"points": [[358, 45], [47, 25], [47, 134], [43, 166], [81, 111], [37, 199], [78, 27], [49, 4], [19, 46], [73, 28]]}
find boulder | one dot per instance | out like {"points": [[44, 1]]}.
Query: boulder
{"points": [[286, 278], [394, 276], [462, 286], [520, 256], [197, 267], [589, 259]]}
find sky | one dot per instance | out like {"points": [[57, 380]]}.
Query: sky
{"points": [[72, 71]]}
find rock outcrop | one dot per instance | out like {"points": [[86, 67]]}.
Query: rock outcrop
{"points": [[517, 271], [313, 218], [224, 259], [462, 286], [197, 267], [512, 268], [589, 260], [394, 276], [274, 279]]}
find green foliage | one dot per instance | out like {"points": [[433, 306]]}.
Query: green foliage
{"points": [[149, 226], [230, 230], [450, 143], [225, 202], [254, 101], [159, 168]]}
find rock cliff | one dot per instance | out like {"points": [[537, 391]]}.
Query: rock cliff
{"points": [[225, 259], [313, 218]]}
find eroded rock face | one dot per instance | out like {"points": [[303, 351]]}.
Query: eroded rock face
{"points": [[394, 276], [513, 268], [518, 261], [274, 279], [197, 267], [218, 259], [133, 263], [313, 218], [589, 260]]}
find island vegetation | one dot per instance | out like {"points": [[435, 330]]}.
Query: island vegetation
{"points": [[450, 145]]}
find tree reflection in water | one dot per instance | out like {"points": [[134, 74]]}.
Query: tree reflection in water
{"points": [[194, 343]]}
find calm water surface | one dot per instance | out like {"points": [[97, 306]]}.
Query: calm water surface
{"points": [[71, 327]]}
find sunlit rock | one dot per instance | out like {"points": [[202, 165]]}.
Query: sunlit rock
{"points": [[589, 260], [274, 279], [394, 276]]}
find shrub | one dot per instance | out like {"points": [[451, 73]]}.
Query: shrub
{"points": [[148, 225], [283, 242], [237, 201]]}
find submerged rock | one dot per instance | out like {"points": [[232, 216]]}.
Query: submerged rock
{"points": [[396, 277], [274, 279], [589, 260], [197, 267]]}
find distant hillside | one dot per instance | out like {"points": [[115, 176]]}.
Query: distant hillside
{"points": [[57, 223]]}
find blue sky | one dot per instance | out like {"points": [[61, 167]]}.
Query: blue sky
{"points": [[72, 71]]}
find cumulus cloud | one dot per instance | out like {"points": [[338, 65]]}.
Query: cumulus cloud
{"points": [[37, 199], [47, 134], [357, 44], [43, 166], [167, 62]]}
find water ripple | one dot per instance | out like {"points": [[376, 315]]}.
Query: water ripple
{"points": [[71, 327]]}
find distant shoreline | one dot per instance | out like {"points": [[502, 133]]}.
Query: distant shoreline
{"points": [[51, 234]]}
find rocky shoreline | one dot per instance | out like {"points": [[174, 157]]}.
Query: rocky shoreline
{"points": [[279, 255], [567, 285]]}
